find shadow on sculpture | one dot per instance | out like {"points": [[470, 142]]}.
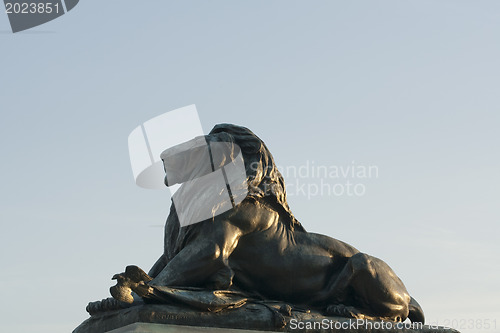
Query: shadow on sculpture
{"points": [[255, 250]]}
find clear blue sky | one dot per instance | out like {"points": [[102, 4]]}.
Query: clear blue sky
{"points": [[408, 86]]}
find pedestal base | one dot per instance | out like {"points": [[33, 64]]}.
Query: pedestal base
{"points": [[249, 318], [165, 328]]}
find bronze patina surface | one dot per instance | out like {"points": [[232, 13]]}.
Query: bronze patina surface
{"points": [[257, 253]]}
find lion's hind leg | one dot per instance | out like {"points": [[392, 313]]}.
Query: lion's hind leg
{"points": [[368, 288], [378, 289]]}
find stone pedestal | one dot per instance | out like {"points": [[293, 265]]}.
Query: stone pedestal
{"points": [[249, 318], [165, 328]]}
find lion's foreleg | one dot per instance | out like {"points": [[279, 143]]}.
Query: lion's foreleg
{"points": [[204, 260], [190, 266], [158, 266]]}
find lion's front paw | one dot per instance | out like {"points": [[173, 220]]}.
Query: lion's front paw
{"points": [[108, 304]]}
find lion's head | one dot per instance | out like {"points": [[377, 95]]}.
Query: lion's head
{"points": [[263, 177]]}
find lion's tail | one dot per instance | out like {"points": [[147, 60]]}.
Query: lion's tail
{"points": [[416, 314]]}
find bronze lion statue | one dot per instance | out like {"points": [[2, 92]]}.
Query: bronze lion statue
{"points": [[259, 248]]}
